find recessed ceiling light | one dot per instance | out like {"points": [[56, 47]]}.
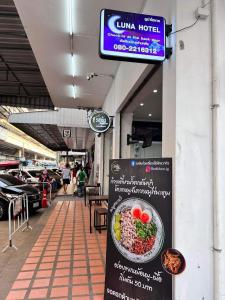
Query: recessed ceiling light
{"points": [[141, 104], [155, 91], [150, 115]]}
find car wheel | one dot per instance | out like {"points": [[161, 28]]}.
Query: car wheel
{"points": [[3, 211]]}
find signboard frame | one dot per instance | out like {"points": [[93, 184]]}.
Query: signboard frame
{"points": [[95, 113], [104, 54], [67, 133], [146, 183]]}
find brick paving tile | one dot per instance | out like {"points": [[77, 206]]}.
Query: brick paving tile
{"points": [[32, 260], [79, 251], [79, 246], [21, 284], [48, 259], [64, 258], [93, 250], [80, 290], [60, 281], [25, 275], [59, 292], [37, 249], [95, 263], [16, 295], [35, 254], [41, 283], [97, 270], [79, 257], [92, 246], [65, 247], [38, 294], [81, 298], [62, 272], [50, 248], [94, 256], [65, 252], [98, 278], [98, 288], [29, 267], [80, 280], [80, 271], [45, 266], [44, 273], [63, 264], [98, 297], [78, 263], [50, 253]]}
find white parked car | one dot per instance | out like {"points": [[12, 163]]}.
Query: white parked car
{"points": [[28, 175]]}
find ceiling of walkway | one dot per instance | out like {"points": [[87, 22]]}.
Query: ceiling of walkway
{"points": [[21, 82], [46, 23], [48, 135]]}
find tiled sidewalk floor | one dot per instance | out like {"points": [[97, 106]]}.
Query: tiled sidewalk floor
{"points": [[66, 261]]}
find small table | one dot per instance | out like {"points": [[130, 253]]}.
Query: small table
{"points": [[90, 186], [100, 198]]}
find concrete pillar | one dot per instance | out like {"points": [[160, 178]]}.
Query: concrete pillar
{"points": [[187, 138], [107, 156], [98, 163], [19, 153], [218, 111], [126, 124], [116, 136]]}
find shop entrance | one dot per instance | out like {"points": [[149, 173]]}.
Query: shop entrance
{"points": [[141, 119]]}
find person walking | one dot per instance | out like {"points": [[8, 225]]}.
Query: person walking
{"points": [[81, 177], [66, 177], [44, 180]]}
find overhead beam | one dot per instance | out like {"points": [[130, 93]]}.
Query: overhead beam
{"points": [[17, 47], [19, 69], [28, 84], [36, 102], [14, 75]]}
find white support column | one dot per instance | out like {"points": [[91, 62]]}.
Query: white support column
{"points": [[187, 137], [126, 123], [116, 136], [218, 111], [19, 153]]}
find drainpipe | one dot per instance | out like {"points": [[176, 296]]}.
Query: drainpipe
{"points": [[217, 209]]}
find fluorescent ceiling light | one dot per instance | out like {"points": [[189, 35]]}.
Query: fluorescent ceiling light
{"points": [[155, 91], [74, 93], [71, 16], [71, 23], [141, 104], [73, 65]]}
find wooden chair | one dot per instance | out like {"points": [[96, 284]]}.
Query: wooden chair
{"points": [[100, 218]]}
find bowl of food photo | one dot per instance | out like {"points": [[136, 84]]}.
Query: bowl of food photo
{"points": [[137, 230], [173, 261]]}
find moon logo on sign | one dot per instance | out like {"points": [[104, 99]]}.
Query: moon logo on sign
{"points": [[112, 25]]}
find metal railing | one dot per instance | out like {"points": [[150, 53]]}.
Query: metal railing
{"points": [[18, 218]]}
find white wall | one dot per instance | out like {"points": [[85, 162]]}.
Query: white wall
{"points": [[150, 152]]}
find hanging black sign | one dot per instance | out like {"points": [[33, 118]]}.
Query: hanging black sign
{"points": [[139, 229], [66, 133], [99, 121]]}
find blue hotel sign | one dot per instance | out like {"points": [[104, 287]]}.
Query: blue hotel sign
{"points": [[132, 37]]}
